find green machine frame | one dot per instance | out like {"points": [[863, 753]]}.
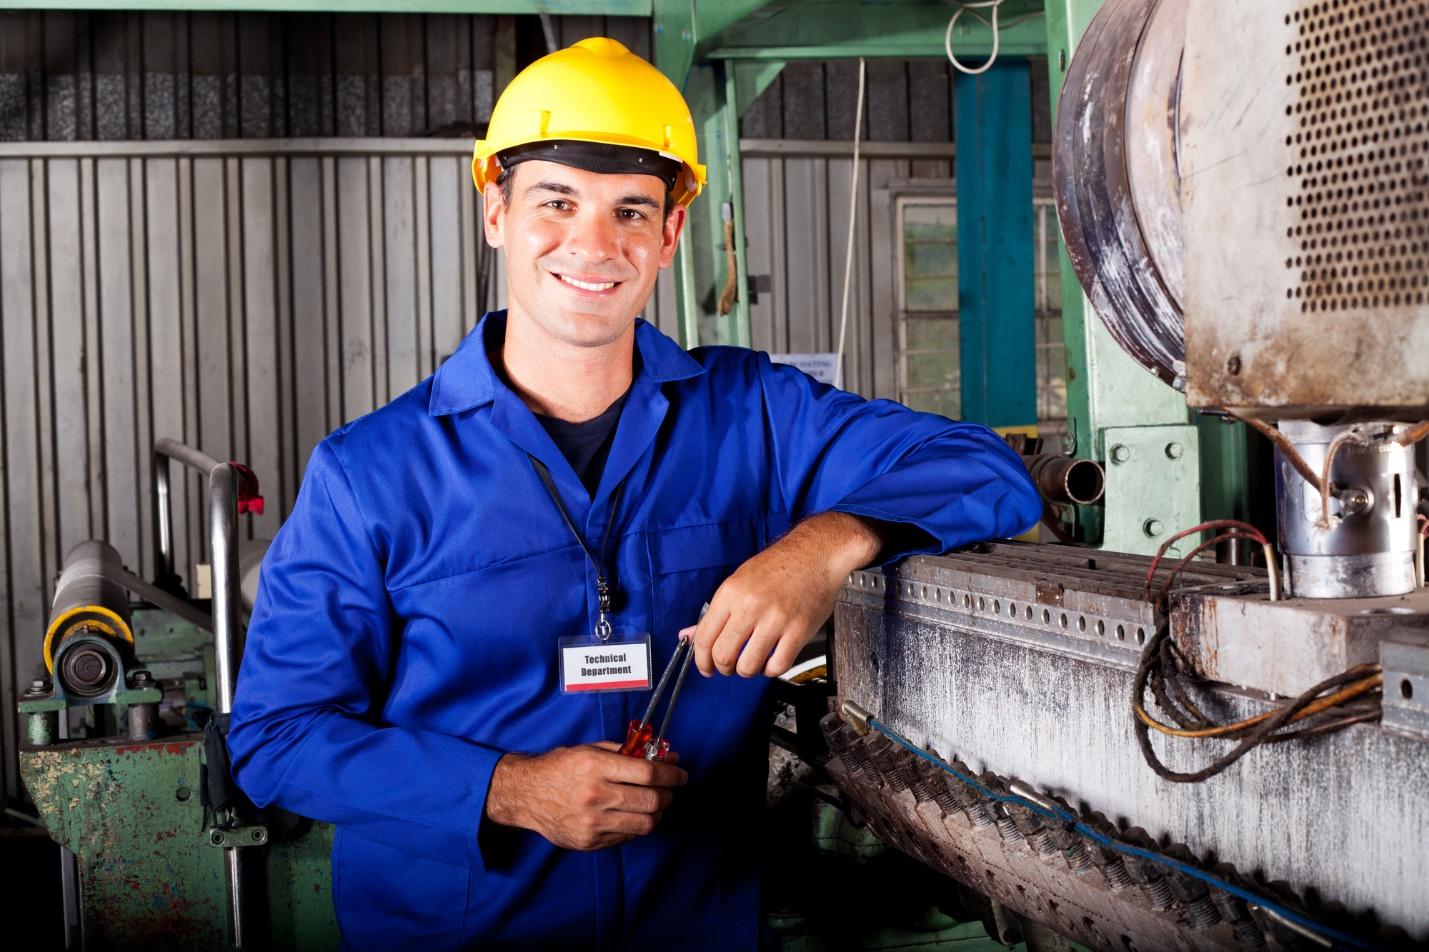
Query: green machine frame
{"points": [[1164, 472]]}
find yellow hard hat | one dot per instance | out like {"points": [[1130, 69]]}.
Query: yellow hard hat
{"points": [[594, 91]]}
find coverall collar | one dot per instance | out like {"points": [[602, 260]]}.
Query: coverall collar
{"points": [[467, 379]]}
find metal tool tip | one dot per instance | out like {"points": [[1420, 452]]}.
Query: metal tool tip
{"points": [[1020, 789], [854, 716]]}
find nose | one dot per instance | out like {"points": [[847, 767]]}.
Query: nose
{"points": [[594, 239]]}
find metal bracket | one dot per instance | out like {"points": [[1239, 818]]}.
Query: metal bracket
{"points": [[238, 836], [1405, 660], [1153, 486]]}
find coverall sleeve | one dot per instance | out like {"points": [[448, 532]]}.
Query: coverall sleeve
{"points": [[956, 482], [306, 730]]}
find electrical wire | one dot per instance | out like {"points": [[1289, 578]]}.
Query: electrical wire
{"points": [[1413, 435], [1050, 810], [1354, 690], [852, 220], [1355, 435], [1249, 531], [1355, 682], [1282, 443], [971, 9]]}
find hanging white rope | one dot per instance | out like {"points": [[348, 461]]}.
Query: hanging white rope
{"points": [[852, 220], [996, 35]]}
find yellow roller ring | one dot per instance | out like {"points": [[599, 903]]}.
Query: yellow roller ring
{"points": [[118, 630]]}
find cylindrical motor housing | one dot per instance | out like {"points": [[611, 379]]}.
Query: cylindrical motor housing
{"points": [[89, 636], [1367, 547]]}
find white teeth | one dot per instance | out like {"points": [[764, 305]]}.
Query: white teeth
{"points": [[585, 286]]}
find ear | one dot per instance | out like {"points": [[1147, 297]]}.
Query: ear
{"points": [[671, 235], [493, 215]]}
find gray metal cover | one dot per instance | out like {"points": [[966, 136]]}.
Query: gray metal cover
{"points": [[1307, 219], [943, 650]]}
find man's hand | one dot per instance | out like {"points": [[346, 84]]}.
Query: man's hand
{"points": [[773, 604], [582, 798]]}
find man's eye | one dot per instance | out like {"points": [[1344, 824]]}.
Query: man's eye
{"points": [[559, 204], [630, 214]]}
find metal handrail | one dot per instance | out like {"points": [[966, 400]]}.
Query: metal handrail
{"points": [[223, 569]]}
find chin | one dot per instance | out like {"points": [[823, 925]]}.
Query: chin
{"points": [[588, 329]]}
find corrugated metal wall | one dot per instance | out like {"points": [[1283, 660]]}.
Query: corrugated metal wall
{"points": [[249, 296], [244, 297]]}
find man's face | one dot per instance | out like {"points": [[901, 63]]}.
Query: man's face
{"points": [[583, 249]]}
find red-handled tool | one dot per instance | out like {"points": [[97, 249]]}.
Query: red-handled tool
{"points": [[641, 740]]}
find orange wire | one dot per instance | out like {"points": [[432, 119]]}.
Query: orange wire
{"points": [[1346, 693]]}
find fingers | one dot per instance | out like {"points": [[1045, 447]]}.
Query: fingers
{"points": [[640, 772], [708, 630], [784, 656]]}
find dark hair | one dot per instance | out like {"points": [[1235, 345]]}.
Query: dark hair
{"points": [[503, 181]]}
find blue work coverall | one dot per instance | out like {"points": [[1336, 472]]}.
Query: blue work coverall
{"points": [[405, 634]]}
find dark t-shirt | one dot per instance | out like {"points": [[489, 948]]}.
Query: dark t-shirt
{"points": [[585, 445]]}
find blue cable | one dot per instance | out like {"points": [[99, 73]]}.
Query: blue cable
{"points": [[1342, 939]]}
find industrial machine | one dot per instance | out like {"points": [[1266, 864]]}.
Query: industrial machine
{"points": [[1133, 751], [1170, 752], [125, 760]]}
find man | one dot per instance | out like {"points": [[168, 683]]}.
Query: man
{"points": [[570, 478]]}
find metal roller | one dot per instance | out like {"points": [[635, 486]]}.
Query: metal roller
{"points": [[89, 635], [1115, 170]]}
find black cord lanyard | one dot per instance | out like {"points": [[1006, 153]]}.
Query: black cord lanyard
{"points": [[602, 577]]}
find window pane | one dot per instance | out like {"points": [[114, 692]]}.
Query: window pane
{"points": [[931, 294], [931, 332], [936, 371], [930, 257]]}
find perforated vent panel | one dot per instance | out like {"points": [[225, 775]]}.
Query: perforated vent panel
{"points": [[1359, 104]]}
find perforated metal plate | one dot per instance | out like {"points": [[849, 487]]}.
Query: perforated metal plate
{"points": [[1306, 197]]}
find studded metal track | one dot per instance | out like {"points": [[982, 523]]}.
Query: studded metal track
{"points": [[1048, 873]]}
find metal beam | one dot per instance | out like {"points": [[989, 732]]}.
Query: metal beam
{"points": [[836, 29], [627, 8], [996, 306]]}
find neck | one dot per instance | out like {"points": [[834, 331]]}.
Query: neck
{"points": [[563, 380]]}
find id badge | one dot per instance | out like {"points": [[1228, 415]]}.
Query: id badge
{"points": [[620, 663]]}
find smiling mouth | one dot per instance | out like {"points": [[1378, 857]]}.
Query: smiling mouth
{"points": [[587, 285]]}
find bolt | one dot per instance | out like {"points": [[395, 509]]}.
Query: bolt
{"points": [[1174, 450], [1152, 527], [40, 687], [1120, 453], [143, 677], [1069, 442], [1078, 859], [1233, 365]]}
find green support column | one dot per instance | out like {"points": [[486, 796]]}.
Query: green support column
{"points": [[701, 263], [996, 276], [1118, 412]]}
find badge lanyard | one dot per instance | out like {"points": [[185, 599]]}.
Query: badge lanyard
{"points": [[602, 577], [599, 661]]}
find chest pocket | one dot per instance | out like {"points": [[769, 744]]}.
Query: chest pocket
{"points": [[688, 563]]}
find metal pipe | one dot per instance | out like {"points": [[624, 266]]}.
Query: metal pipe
{"points": [[165, 450], [223, 566], [1063, 480], [228, 648]]}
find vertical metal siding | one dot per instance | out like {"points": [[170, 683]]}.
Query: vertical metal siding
{"points": [[796, 206], [246, 297], [158, 75]]}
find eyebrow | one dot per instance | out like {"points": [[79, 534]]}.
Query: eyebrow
{"points": [[556, 187], [563, 189]]}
